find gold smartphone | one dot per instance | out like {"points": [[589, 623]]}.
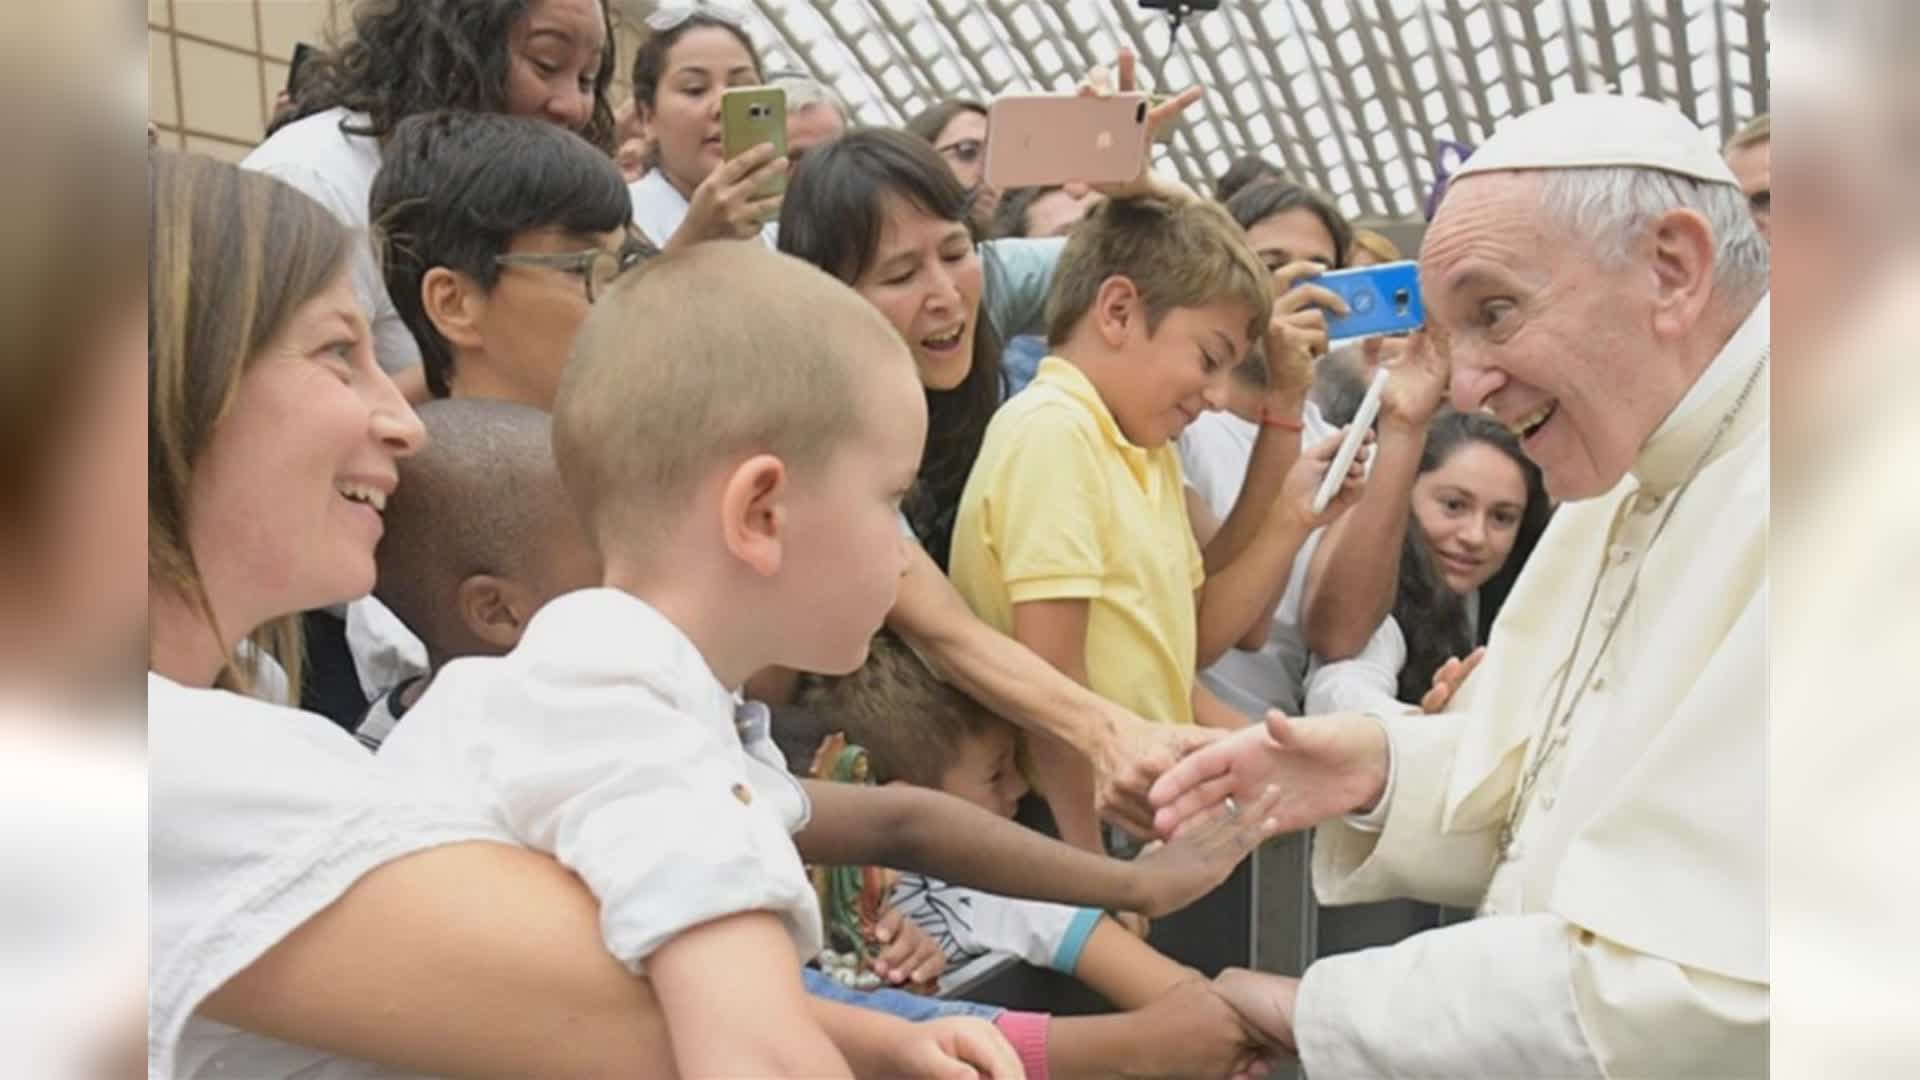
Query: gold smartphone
{"points": [[750, 116]]}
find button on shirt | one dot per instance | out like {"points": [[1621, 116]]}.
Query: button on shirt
{"points": [[605, 739]]}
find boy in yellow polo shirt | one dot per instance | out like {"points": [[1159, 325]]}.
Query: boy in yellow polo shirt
{"points": [[1073, 534]]}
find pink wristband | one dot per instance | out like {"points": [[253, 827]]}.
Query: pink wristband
{"points": [[1027, 1031]]}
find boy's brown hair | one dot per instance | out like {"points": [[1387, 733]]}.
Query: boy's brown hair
{"points": [[1178, 256], [718, 352], [910, 723]]}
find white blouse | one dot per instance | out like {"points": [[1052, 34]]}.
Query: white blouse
{"points": [[261, 816], [659, 208]]}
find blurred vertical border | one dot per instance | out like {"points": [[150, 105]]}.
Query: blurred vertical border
{"points": [[1845, 616]]}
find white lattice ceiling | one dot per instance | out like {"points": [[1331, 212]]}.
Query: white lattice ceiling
{"points": [[1348, 96]]}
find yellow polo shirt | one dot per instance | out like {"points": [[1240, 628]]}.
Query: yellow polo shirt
{"points": [[1060, 506]]}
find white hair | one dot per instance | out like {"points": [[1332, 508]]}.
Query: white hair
{"points": [[804, 92], [1613, 205]]}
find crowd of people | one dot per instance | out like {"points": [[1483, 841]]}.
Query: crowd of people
{"points": [[532, 496]]}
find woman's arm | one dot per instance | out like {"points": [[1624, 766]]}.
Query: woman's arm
{"points": [[469, 960], [1126, 752]]}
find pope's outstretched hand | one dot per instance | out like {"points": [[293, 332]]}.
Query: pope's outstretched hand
{"points": [[1321, 766]]}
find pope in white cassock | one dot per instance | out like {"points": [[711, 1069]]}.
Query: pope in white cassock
{"points": [[1597, 788]]}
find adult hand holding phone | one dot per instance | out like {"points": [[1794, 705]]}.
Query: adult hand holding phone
{"points": [[724, 206], [1123, 78], [1297, 328]]}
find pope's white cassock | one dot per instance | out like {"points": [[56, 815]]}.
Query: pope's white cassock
{"points": [[1626, 932]]}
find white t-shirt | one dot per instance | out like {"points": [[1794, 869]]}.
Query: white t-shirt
{"points": [[260, 816], [605, 740], [1214, 453], [385, 652], [659, 208], [974, 928], [337, 170]]}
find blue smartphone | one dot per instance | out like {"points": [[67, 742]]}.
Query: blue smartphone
{"points": [[1380, 300]]}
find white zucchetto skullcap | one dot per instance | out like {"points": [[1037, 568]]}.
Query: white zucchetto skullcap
{"points": [[1601, 131]]}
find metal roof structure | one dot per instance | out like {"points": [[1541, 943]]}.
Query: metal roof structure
{"points": [[1347, 95]]}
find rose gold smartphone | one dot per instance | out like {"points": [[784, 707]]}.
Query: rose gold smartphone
{"points": [[1045, 139]]}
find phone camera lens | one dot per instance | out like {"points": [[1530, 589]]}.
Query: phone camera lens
{"points": [[1140, 113], [1402, 299]]}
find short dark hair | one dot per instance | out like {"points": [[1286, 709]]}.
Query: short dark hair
{"points": [[910, 723], [412, 56], [455, 188], [833, 216], [1010, 217], [650, 59], [1263, 199], [1242, 171], [479, 498]]}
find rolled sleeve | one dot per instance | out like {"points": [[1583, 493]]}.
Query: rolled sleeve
{"points": [[653, 809]]}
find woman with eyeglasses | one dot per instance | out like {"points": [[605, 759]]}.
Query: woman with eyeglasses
{"points": [[692, 55], [547, 59], [957, 131]]}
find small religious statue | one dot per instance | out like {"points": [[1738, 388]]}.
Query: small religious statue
{"points": [[851, 897]]}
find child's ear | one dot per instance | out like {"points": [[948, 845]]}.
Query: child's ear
{"points": [[494, 609], [1116, 307], [454, 304], [753, 513]]}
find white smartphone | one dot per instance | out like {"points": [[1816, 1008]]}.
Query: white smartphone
{"points": [[1350, 445], [1036, 140]]}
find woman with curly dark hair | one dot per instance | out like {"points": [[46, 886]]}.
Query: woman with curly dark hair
{"points": [[547, 59]]}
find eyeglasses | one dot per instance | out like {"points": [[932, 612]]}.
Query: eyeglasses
{"points": [[666, 18], [963, 151], [599, 268]]}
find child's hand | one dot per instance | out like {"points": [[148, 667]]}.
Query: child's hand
{"points": [[1195, 862], [1303, 481], [907, 955], [1446, 681], [953, 1048]]}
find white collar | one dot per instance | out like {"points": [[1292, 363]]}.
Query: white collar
{"points": [[1670, 452]]}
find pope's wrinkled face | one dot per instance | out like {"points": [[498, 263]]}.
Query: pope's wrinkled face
{"points": [[1547, 334]]}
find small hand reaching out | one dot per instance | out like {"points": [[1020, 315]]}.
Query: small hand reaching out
{"points": [[908, 956], [1205, 853], [1447, 680]]}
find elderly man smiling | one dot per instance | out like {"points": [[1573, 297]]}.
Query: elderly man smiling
{"points": [[1598, 790]]}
